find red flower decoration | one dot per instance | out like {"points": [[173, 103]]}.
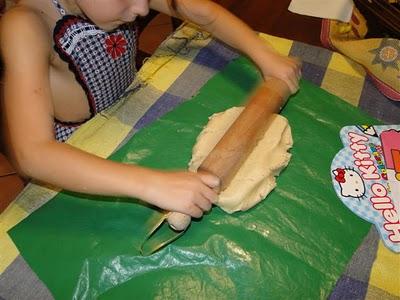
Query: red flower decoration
{"points": [[340, 175], [116, 45]]}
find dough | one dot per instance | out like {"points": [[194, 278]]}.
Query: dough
{"points": [[256, 177]]}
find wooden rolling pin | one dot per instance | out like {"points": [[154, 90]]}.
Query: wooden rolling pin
{"points": [[239, 140]]}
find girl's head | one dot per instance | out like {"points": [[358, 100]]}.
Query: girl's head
{"points": [[109, 14]]}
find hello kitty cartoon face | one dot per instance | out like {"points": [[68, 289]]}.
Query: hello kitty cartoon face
{"points": [[351, 183]]}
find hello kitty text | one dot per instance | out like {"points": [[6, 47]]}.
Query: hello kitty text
{"points": [[380, 199], [362, 158]]}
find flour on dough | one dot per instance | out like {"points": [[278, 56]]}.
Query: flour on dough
{"points": [[256, 177]]}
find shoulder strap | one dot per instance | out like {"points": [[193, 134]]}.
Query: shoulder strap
{"points": [[58, 6]]}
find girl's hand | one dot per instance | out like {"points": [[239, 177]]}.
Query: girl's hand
{"points": [[184, 192], [283, 67]]}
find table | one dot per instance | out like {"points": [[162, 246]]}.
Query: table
{"points": [[182, 64], [273, 17]]}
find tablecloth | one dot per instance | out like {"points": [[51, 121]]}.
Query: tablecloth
{"points": [[182, 64]]}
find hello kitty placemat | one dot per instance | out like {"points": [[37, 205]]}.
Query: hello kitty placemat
{"points": [[366, 177]]}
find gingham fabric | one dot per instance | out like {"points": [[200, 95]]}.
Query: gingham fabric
{"points": [[174, 73], [103, 62]]}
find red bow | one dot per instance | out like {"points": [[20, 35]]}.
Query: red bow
{"points": [[340, 175]]}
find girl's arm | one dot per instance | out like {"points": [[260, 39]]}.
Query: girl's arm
{"points": [[231, 30], [26, 50]]}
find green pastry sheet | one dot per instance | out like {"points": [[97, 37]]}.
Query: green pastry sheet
{"points": [[294, 244]]}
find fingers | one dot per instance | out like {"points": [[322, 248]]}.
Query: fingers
{"points": [[294, 75], [210, 194], [209, 179], [198, 208], [202, 197], [285, 68], [293, 85], [298, 69], [291, 75], [298, 73], [203, 202], [195, 211], [207, 196], [213, 184]]}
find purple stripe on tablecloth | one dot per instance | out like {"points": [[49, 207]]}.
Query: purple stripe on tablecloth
{"points": [[191, 80], [311, 54], [215, 55], [18, 281], [164, 104], [377, 105], [349, 288], [313, 73]]}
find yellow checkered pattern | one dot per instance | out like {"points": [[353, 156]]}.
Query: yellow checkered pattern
{"points": [[102, 134]]}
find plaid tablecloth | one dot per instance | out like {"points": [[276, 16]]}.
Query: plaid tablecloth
{"points": [[181, 65]]}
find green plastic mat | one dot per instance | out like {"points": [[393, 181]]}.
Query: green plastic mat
{"points": [[295, 244]]}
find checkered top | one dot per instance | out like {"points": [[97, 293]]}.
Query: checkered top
{"points": [[103, 62]]}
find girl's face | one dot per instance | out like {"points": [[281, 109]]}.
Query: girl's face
{"points": [[109, 14]]}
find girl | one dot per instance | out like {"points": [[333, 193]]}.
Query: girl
{"points": [[66, 60]]}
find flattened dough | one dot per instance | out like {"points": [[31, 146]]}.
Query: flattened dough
{"points": [[256, 177]]}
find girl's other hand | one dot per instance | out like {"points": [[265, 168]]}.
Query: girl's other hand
{"points": [[283, 67]]}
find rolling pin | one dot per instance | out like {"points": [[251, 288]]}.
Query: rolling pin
{"points": [[239, 140]]}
